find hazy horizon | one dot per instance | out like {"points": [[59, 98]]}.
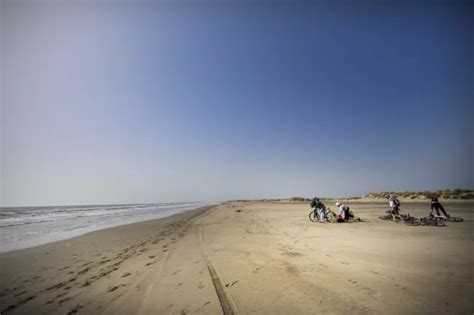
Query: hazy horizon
{"points": [[154, 101], [205, 201]]}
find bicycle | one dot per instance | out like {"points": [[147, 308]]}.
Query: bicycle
{"points": [[442, 217], [314, 216], [391, 217], [414, 221], [432, 221]]}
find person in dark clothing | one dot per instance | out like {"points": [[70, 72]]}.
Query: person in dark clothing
{"points": [[436, 205], [319, 209], [317, 203]]}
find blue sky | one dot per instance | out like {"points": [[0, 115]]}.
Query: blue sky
{"points": [[147, 101]]}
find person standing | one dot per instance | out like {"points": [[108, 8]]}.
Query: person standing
{"points": [[436, 205], [394, 205]]}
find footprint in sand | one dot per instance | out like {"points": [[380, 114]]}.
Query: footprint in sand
{"points": [[83, 271], [60, 295], [21, 293], [231, 284], [126, 274], [64, 300], [75, 309], [292, 254], [57, 286], [87, 263], [112, 289], [201, 286]]}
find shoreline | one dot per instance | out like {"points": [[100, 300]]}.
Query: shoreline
{"points": [[249, 257], [38, 265], [172, 217], [66, 235]]}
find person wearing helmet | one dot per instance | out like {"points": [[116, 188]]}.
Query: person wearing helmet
{"points": [[343, 214], [394, 205], [319, 209], [436, 205]]}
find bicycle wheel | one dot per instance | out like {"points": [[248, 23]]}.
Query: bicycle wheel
{"points": [[397, 219], [313, 217], [331, 217], [432, 222], [413, 222]]}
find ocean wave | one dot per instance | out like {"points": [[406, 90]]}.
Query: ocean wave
{"points": [[38, 225]]}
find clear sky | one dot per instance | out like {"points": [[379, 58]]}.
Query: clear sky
{"points": [[148, 101]]}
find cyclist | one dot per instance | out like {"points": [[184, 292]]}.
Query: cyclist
{"points": [[319, 209], [436, 205], [394, 205]]}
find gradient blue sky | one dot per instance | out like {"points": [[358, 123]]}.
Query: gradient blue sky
{"points": [[147, 101]]}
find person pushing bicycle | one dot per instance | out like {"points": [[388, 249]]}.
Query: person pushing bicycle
{"points": [[319, 209]]}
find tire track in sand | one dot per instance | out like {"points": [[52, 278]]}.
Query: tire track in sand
{"points": [[149, 289], [227, 304]]}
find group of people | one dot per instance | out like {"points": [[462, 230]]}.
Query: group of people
{"points": [[344, 214], [435, 205]]}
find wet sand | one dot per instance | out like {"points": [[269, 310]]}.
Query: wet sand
{"points": [[250, 257]]}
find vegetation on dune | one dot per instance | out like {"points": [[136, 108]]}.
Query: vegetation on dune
{"points": [[442, 193], [461, 194], [299, 199]]}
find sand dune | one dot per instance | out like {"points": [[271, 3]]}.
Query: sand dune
{"points": [[250, 257]]}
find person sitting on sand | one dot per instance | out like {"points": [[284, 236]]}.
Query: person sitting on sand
{"points": [[319, 209], [436, 205], [343, 214], [394, 205]]}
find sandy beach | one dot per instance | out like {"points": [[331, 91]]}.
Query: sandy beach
{"points": [[250, 257]]}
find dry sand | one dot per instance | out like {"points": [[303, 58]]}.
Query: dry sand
{"points": [[246, 257]]}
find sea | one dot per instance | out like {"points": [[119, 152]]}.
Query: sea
{"points": [[24, 227]]}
